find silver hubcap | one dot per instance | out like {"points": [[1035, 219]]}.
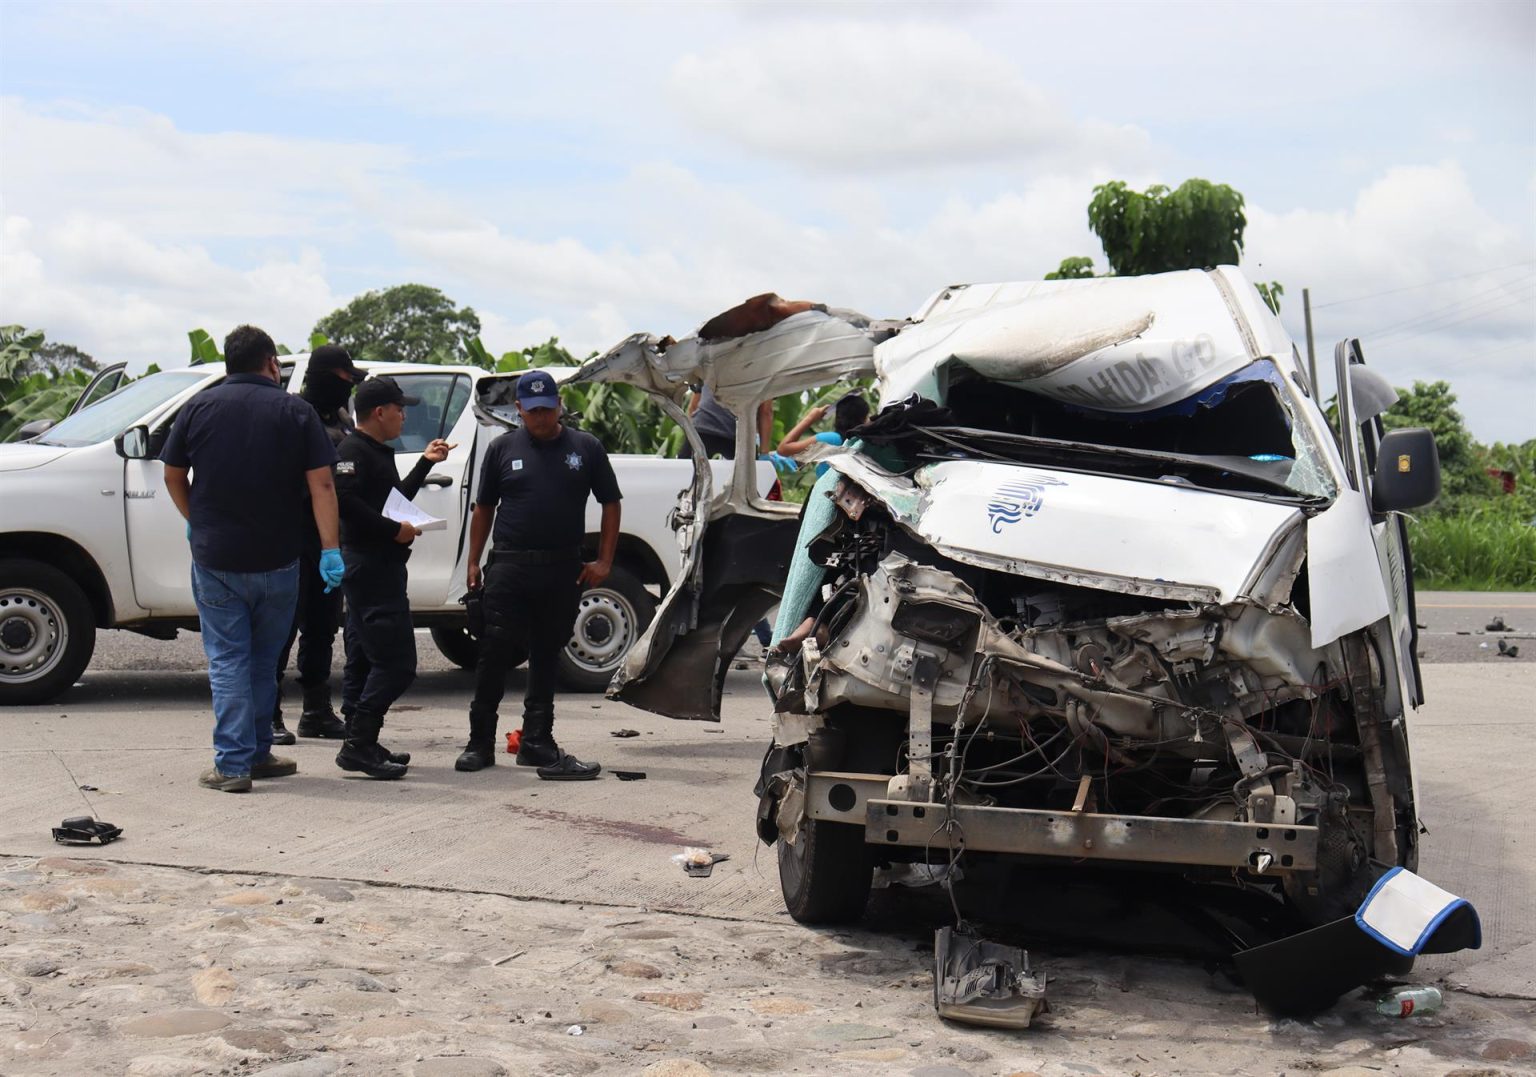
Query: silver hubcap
{"points": [[605, 627], [33, 635]]}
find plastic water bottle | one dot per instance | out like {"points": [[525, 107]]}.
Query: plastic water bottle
{"points": [[1409, 1001]]}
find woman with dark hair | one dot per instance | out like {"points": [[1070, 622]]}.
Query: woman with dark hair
{"points": [[849, 412]]}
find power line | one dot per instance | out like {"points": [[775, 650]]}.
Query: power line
{"points": [[1507, 295], [1436, 328], [1426, 284]]}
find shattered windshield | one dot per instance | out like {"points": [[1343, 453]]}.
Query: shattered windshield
{"points": [[1238, 434]]}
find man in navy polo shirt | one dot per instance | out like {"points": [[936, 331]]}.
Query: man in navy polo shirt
{"points": [[252, 450], [535, 484]]}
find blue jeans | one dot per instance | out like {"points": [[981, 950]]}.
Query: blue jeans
{"points": [[245, 621]]}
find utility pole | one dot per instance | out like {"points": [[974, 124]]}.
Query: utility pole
{"points": [[1306, 306]]}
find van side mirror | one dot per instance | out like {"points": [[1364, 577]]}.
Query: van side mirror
{"points": [[133, 443], [1407, 471]]}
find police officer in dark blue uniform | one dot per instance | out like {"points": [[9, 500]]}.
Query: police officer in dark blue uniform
{"points": [[328, 382], [380, 641], [535, 485]]}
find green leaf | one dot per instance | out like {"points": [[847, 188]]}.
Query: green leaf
{"points": [[204, 349]]}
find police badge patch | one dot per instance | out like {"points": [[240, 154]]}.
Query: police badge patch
{"points": [[573, 461], [346, 467]]}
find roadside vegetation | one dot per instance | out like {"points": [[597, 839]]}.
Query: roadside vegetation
{"points": [[1480, 535]]}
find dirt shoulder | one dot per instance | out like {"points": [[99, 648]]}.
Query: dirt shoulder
{"points": [[122, 968]]}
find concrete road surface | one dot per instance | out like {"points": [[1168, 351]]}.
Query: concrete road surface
{"points": [[136, 731]]}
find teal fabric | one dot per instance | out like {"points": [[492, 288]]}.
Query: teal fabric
{"points": [[805, 576]]}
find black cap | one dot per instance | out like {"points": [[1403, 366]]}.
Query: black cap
{"points": [[334, 357], [376, 392]]}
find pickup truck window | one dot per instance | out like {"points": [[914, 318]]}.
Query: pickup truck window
{"points": [[443, 397], [111, 415]]}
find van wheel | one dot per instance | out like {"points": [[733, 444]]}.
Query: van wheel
{"points": [[608, 621], [47, 632], [825, 873], [463, 650]]}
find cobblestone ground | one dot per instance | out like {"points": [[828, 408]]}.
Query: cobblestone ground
{"points": [[118, 968]]}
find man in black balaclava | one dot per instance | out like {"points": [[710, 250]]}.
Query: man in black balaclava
{"points": [[328, 384]]}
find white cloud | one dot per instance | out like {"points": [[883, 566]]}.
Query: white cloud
{"points": [[868, 97], [1435, 285]]}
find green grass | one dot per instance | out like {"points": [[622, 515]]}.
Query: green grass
{"points": [[1478, 551]]}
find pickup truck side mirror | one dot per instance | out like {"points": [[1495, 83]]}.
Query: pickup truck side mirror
{"points": [[36, 428], [133, 443], [1407, 471]]}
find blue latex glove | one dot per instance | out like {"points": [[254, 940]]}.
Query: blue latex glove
{"points": [[782, 463], [331, 569], [189, 530]]}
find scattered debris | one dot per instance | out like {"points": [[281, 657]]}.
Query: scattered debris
{"points": [[575, 1030], [510, 957], [1403, 916], [83, 830], [624, 733], [1509, 650], [93, 789], [630, 775], [699, 862], [1497, 625], [984, 983], [1409, 1002], [514, 741]]}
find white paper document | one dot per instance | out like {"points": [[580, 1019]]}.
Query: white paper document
{"points": [[400, 510]]}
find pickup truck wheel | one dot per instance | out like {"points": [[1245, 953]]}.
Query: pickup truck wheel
{"points": [[463, 650], [608, 621], [825, 873], [47, 632]]}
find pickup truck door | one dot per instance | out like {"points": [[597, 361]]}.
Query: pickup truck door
{"points": [[1361, 401], [159, 553], [442, 413], [735, 549]]}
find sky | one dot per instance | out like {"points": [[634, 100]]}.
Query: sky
{"points": [[588, 170]]}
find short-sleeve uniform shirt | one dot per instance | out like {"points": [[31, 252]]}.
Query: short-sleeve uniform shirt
{"points": [[248, 443], [540, 488]]}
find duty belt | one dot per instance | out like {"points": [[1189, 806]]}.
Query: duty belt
{"points": [[508, 555]]}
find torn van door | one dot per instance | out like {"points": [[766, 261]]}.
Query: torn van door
{"points": [[735, 547]]}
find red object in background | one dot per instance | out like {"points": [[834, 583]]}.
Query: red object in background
{"points": [[514, 741], [775, 492], [1506, 478]]}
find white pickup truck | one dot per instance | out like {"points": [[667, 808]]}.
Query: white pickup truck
{"points": [[89, 539]]}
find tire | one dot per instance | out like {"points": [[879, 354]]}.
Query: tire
{"points": [[608, 621], [47, 632], [463, 650], [825, 874]]}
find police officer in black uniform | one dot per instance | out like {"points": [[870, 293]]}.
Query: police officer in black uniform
{"points": [[535, 484], [380, 642], [328, 383]]}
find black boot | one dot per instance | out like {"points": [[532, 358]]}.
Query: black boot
{"points": [[480, 752], [317, 719], [281, 734], [538, 749], [361, 751]]}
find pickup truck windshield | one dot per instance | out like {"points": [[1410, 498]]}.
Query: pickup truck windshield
{"points": [[113, 414]]}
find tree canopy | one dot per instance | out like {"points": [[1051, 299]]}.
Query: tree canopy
{"points": [[1463, 462], [1197, 225], [409, 323]]}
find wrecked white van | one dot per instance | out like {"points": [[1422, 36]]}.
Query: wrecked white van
{"points": [[1097, 583]]}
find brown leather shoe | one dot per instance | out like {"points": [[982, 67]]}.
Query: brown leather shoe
{"points": [[274, 766], [225, 783]]}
